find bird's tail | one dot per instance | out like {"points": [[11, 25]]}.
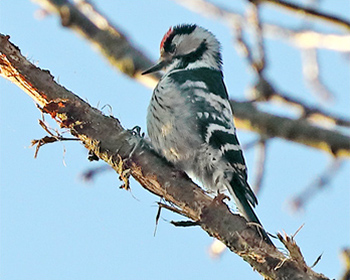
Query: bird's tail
{"points": [[247, 211]]}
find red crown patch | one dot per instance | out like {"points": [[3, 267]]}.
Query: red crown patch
{"points": [[166, 37]]}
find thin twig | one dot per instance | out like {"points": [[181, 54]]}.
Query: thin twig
{"points": [[312, 75], [242, 46], [319, 183], [259, 62], [90, 174], [260, 165], [48, 139]]}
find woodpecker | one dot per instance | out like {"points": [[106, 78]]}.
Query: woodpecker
{"points": [[190, 121]]}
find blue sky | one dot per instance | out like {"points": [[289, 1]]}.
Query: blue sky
{"points": [[55, 226]]}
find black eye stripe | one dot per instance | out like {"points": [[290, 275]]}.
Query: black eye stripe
{"points": [[168, 47], [172, 48], [193, 56]]}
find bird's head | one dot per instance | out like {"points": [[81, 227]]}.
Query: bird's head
{"points": [[188, 46]]}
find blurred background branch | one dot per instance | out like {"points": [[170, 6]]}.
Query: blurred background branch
{"points": [[345, 255], [298, 9], [83, 18]]}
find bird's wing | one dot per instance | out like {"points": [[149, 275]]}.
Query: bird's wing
{"points": [[207, 93]]}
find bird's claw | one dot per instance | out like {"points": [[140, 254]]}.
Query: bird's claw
{"points": [[136, 130]]}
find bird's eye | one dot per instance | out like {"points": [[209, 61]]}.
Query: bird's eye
{"points": [[172, 49]]}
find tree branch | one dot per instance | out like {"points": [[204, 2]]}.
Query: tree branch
{"points": [[310, 12], [84, 19], [300, 131], [127, 152], [264, 91]]}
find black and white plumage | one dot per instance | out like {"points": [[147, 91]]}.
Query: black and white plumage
{"points": [[190, 120]]}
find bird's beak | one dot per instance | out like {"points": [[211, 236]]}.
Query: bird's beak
{"points": [[159, 66]]}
